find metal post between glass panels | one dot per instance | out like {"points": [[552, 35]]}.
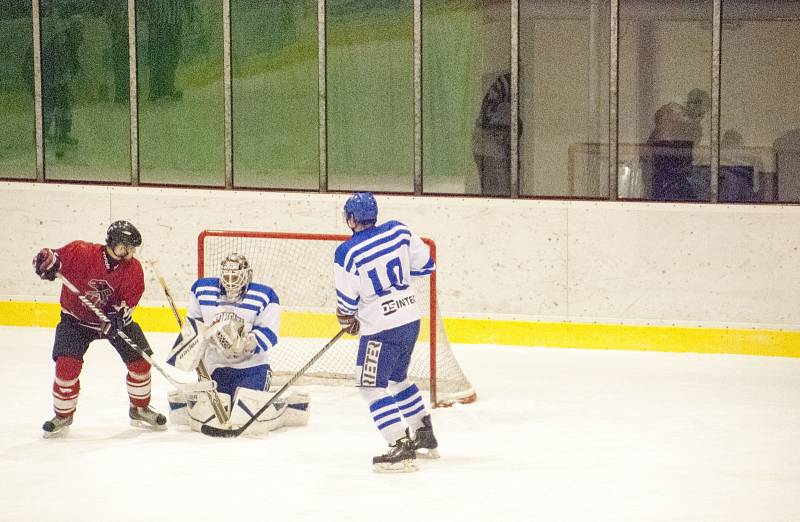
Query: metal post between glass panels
{"points": [[613, 103], [322, 90], [37, 89], [514, 98], [226, 89], [133, 92], [716, 51], [417, 97]]}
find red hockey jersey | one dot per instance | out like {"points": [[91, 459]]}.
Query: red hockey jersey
{"points": [[111, 287]]}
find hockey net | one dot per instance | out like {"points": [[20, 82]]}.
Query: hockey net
{"points": [[299, 267]]}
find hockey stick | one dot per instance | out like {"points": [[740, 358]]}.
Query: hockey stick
{"points": [[186, 387], [212, 431], [202, 372]]}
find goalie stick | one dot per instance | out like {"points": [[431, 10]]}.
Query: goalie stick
{"points": [[186, 387], [202, 372], [213, 431]]}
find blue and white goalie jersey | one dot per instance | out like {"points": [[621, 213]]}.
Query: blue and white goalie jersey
{"points": [[259, 308], [373, 270]]}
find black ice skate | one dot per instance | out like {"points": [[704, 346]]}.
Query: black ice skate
{"points": [[147, 418], [399, 459], [56, 427], [424, 441]]}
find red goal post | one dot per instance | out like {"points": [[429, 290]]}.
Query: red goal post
{"points": [[299, 267]]}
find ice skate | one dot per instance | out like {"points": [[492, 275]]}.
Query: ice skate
{"points": [[147, 418], [424, 441], [399, 459], [56, 427]]}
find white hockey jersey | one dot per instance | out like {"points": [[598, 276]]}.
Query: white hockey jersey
{"points": [[259, 308], [372, 272]]}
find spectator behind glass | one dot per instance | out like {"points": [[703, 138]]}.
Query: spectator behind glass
{"points": [[491, 138], [667, 162]]}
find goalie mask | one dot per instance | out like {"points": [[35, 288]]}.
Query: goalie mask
{"points": [[236, 275]]}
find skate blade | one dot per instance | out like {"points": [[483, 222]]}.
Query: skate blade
{"points": [[405, 466], [429, 454], [144, 425], [56, 434]]}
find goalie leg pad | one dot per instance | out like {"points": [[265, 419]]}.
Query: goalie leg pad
{"points": [[247, 402], [202, 412], [298, 409], [178, 408]]}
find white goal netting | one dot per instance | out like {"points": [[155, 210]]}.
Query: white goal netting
{"points": [[299, 267]]}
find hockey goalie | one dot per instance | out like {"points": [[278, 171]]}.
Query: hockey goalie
{"points": [[231, 324]]}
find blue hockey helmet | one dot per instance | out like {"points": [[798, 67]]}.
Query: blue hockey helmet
{"points": [[124, 233], [362, 207]]}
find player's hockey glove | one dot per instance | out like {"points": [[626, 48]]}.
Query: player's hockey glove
{"points": [[348, 322], [47, 264], [116, 322]]}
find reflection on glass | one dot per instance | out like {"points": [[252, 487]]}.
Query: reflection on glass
{"points": [[17, 135], [759, 120], [664, 101], [564, 98], [466, 103], [275, 92], [181, 103], [370, 88], [86, 122]]}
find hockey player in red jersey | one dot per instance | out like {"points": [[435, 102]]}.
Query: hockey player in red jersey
{"points": [[113, 280]]}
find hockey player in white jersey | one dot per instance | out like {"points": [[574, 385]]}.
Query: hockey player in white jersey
{"points": [[237, 322], [372, 272]]}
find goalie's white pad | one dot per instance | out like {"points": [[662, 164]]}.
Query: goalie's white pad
{"points": [[246, 402], [178, 407], [298, 409], [202, 412], [291, 411], [187, 354]]}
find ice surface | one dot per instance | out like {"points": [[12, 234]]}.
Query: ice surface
{"points": [[556, 435]]}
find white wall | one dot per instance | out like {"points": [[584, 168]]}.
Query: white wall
{"points": [[636, 263]]}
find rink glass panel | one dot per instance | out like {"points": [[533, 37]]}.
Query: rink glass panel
{"points": [[759, 123], [563, 91], [664, 54], [275, 94], [370, 95], [85, 107], [465, 46], [17, 135], [181, 102]]}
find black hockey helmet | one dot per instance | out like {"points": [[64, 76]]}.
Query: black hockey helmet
{"points": [[123, 233]]}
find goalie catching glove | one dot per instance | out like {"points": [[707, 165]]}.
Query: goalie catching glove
{"points": [[348, 322], [226, 337]]}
